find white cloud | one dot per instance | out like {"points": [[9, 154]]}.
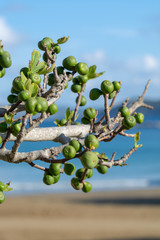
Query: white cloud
{"points": [[7, 34], [96, 57], [150, 62], [146, 63]]}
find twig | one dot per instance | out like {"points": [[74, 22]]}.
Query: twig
{"points": [[83, 175], [106, 109], [6, 139], [20, 135], [113, 100], [38, 166], [127, 134], [118, 162], [78, 103]]}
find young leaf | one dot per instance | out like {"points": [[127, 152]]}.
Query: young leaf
{"points": [[67, 113], [45, 70], [62, 40], [28, 84], [34, 89], [39, 67], [136, 139], [92, 69], [23, 78], [35, 59], [76, 117], [8, 119], [7, 188], [56, 121], [94, 75]]}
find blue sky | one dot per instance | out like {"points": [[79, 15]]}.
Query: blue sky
{"points": [[121, 37]]}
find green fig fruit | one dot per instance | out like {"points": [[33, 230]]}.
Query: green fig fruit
{"points": [[69, 168], [69, 152], [89, 159]]}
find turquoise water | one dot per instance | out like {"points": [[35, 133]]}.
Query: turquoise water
{"points": [[142, 171]]}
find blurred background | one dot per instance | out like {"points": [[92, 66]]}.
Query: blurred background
{"points": [[122, 38]]}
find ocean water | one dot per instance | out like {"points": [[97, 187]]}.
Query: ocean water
{"points": [[142, 171]]}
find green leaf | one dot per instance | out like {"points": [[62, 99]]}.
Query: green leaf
{"points": [[45, 70], [67, 113], [39, 67], [28, 84], [136, 139], [34, 89], [8, 119], [92, 69], [62, 40], [35, 59], [94, 75], [56, 121], [7, 188], [23, 78], [76, 117]]}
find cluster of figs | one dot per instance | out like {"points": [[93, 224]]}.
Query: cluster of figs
{"points": [[5, 61], [88, 158]]}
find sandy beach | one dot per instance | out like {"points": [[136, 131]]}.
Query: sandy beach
{"points": [[95, 216]]}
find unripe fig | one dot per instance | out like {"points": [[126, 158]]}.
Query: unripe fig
{"points": [[50, 79], [69, 63], [2, 71], [95, 93], [85, 120], [24, 95], [87, 187], [80, 172], [116, 85], [107, 87], [76, 80], [89, 159], [124, 111], [52, 109], [25, 71], [5, 60], [56, 178], [102, 169], [69, 152], [69, 168], [12, 98], [90, 113], [112, 94], [139, 118], [2, 197], [48, 179], [57, 48], [76, 184], [54, 169], [62, 122], [3, 127], [35, 77], [82, 68], [83, 101], [77, 145], [16, 127], [2, 186], [45, 42], [129, 122], [91, 142], [30, 105], [82, 79], [44, 104], [76, 88], [18, 84]]}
